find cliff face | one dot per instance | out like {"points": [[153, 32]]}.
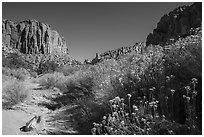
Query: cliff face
{"points": [[138, 48], [176, 24], [117, 53], [31, 36]]}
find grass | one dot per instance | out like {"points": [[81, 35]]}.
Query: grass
{"points": [[13, 93]]}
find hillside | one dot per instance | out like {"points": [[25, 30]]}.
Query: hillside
{"points": [[175, 24], [33, 45], [152, 88]]}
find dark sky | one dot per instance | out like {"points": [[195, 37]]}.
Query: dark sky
{"points": [[91, 28]]}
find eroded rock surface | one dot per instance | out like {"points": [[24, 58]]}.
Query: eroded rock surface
{"points": [[31, 36], [117, 53], [176, 24]]}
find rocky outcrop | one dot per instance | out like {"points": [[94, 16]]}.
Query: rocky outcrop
{"points": [[117, 54], [138, 48], [176, 24], [31, 36]]}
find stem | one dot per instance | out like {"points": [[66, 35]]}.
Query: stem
{"points": [[129, 105]]}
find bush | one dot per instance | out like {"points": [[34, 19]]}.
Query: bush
{"points": [[67, 70], [51, 80], [13, 60], [14, 92], [168, 69], [20, 74], [144, 117]]}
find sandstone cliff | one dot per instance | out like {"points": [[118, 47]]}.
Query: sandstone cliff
{"points": [[176, 24], [31, 36], [117, 53]]}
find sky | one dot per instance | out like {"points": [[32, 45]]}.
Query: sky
{"points": [[93, 27]]}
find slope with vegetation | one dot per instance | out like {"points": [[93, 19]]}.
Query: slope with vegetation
{"points": [[143, 89]]}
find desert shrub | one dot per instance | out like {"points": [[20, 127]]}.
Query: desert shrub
{"points": [[79, 84], [183, 59], [139, 71], [48, 66], [51, 80], [13, 93], [6, 77], [19, 73], [136, 74], [33, 74], [13, 60], [68, 69], [143, 118], [185, 55]]}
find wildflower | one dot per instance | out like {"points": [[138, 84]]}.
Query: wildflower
{"points": [[172, 76], [123, 104], [194, 93], [140, 101], [143, 120], [110, 118], [120, 79], [148, 129], [94, 124], [111, 102], [155, 106], [129, 95], [151, 104], [166, 98], [172, 91], [144, 97], [187, 88], [135, 108], [114, 106], [122, 99], [167, 79], [170, 132], [104, 117], [133, 114], [194, 80], [97, 125], [115, 114], [148, 123], [157, 116], [113, 119], [184, 96], [104, 122], [122, 123], [93, 131], [117, 99], [151, 89], [188, 99], [163, 117]]}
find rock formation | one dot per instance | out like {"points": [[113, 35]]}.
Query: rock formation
{"points": [[176, 24], [138, 48], [116, 54], [31, 36]]}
